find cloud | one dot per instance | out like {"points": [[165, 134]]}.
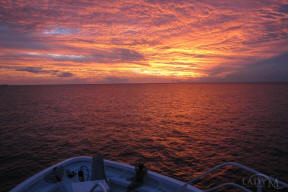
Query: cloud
{"points": [[163, 19], [133, 42], [127, 55], [274, 69], [65, 74], [39, 70], [33, 70], [269, 70], [283, 8], [59, 31], [115, 55], [168, 39], [113, 80], [12, 38]]}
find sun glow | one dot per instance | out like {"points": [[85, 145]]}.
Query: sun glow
{"points": [[144, 40]]}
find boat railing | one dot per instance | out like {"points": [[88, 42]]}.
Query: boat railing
{"points": [[258, 175]]}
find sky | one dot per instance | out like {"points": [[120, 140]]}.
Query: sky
{"points": [[143, 41]]}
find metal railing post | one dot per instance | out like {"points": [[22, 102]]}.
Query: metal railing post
{"points": [[260, 177], [259, 183]]}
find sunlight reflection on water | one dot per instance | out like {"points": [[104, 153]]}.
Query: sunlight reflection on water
{"points": [[179, 129]]}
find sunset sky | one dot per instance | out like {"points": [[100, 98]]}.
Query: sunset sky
{"points": [[131, 41]]}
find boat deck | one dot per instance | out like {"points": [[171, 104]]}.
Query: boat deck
{"points": [[118, 177]]}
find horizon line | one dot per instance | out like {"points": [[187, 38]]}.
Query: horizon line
{"points": [[60, 84]]}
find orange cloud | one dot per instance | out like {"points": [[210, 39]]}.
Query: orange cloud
{"points": [[143, 41]]}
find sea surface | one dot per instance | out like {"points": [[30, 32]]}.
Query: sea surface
{"points": [[180, 130]]}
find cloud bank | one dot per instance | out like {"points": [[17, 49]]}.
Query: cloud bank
{"points": [[144, 41]]}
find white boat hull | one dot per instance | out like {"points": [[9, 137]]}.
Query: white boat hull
{"points": [[118, 175]]}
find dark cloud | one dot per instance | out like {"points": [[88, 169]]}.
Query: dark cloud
{"points": [[163, 19], [37, 13], [217, 20], [133, 42], [65, 74], [113, 80], [273, 69], [216, 71], [161, 2], [267, 37], [270, 70], [283, 8], [115, 55], [112, 34], [82, 40], [35, 70], [39, 70], [10, 37], [128, 55], [185, 11]]}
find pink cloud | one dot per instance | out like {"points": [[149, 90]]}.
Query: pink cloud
{"points": [[153, 39]]}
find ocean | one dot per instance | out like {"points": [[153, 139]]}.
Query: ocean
{"points": [[179, 130]]}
